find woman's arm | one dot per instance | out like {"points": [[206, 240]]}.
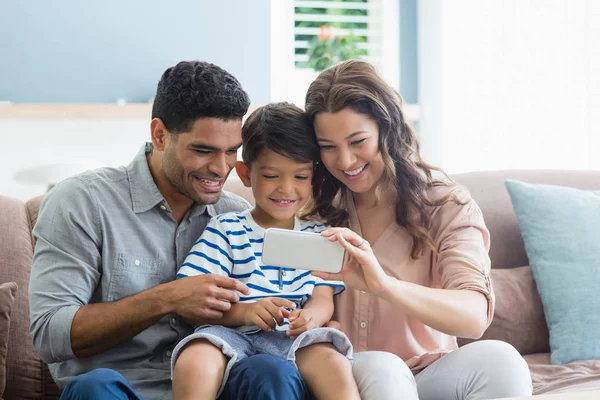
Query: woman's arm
{"points": [[454, 312], [461, 312]]}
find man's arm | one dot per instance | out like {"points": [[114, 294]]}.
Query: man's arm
{"points": [[66, 273], [99, 327]]}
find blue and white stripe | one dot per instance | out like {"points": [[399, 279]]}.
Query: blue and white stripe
{"points": [[232, 244]]}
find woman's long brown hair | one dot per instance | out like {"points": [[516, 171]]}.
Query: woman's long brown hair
{"points": [[356, 85]]}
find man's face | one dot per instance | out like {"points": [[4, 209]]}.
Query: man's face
{"points": [[196, 163]]}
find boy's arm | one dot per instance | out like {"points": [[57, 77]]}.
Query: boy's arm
{"points": [[212, 254], [236, 316], [320, 304]]}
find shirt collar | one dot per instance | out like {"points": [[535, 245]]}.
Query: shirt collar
{"points": [[144, 192]]}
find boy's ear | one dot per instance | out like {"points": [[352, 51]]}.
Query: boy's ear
{"points": [[243, 172]]}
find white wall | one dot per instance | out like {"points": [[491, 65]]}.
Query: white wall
{"points": [[30, 143], [510, 84]]}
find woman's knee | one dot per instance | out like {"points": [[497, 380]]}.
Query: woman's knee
{"points": [[501, 365], [382, 375]]}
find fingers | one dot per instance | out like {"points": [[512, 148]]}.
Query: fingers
{"points": [[275, 311], [230, 283], [327, 276], [264, 319], [294, 314], [217, 305], [301, 320], [353, 249], [352, 238], [301, 324], [225, 295], [339, 234], [261, 323], [334, 325], [283, 302]]}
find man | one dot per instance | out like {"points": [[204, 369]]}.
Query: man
{"points": [[105, 309]]}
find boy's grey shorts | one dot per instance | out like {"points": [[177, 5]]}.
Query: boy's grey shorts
{"points": [[238, 346]]}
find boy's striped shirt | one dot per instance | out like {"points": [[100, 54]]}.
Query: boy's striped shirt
{"points": [[231, 245]]}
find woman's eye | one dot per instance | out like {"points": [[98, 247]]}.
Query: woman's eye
{"points": [[302, 178], [360, 141], [326, 147]]}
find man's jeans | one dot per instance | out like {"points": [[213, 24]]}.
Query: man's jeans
{"points": [[258, 377]]}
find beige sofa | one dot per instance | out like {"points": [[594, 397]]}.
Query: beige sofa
{"points": [[518, 319]]}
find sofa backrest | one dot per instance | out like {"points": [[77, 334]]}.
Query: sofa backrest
{"points": [[26, 374], [487, 188]]}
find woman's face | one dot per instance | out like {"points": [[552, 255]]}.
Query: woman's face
{"points": [[349, 144]]}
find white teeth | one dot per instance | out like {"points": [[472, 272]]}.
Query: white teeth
{"points": [[284, 201], [209, 183], [355, 171]]}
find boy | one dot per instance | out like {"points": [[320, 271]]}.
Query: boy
{"points": [[286, 308]]}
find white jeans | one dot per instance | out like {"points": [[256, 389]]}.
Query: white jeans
{"points": [[487, 369]]}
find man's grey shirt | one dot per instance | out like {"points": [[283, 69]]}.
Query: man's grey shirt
{"points": [[102, 236]]}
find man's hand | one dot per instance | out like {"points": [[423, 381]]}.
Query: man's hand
{"points": [[202, 297], [269, 312], [302, 321]]}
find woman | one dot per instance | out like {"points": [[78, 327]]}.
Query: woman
{"points": [[418, 245]]}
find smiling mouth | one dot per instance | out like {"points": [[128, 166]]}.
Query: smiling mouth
{"points": [[354, 172], [208, 182], [283, 203], [210, 185]]}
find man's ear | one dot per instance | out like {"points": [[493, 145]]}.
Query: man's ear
{"points": [[243, 172], [160, 135]]}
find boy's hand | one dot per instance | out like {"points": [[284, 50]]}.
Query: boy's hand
{"points": [[269, 312], [301, 321]]}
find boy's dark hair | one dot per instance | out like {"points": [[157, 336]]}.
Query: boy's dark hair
{"points": [[196, 89], [283, 128]]}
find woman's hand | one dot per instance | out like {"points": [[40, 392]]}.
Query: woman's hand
{"points": [[361, 269]]}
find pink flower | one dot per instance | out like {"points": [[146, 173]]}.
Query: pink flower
{"points": [[325, 33]]}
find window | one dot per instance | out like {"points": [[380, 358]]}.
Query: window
{"points": [[346, 17], [375, 24]]}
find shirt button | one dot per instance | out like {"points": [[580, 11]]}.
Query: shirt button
{"points": [[168, 353], [163, 207], [283, 273], [137, 263], [363, 324]]}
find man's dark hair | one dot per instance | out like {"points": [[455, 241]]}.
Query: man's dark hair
{"points": [[196, 89], [283, 128]]}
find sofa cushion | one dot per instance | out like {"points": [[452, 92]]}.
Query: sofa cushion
{"points": [[519, 316], [23, 365], [577, 376], [560, 228], [7, 298]]}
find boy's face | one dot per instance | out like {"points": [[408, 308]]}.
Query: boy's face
{"points": [[281, 187]]}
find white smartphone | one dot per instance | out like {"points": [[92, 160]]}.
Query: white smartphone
{"points": [[301, 250]]}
